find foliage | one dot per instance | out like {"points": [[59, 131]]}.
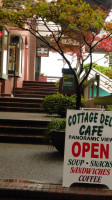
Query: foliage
{"points": [[57, 84], [56, 134], [56, 125], [59, 103], [109, 107], [41, 74], [74, 21], [104, 70], [70, 14], [86, 66]]}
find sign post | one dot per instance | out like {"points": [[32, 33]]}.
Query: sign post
{"points": [[88, 148]]}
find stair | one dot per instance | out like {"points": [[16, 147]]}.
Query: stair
{"points": [[32, 89], [18, 104], [28, 99], [23, 131]]}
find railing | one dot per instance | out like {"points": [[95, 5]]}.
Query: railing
{"points": [[105, 82]]}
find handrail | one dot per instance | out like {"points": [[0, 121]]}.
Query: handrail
{"points": [[103, 84], [106, 77]]}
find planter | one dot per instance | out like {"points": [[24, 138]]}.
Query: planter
{"points": [[58, 140], [42, 78]]}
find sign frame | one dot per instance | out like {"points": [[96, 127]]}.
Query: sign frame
{"points": [[88, 149]]}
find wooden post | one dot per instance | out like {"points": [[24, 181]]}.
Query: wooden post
{"points": [[92, 87], [89, 87], [98, 82]]}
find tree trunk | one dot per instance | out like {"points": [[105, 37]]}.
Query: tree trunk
{"points": [[78, 98]]}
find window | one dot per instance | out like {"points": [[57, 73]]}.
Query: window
{"points": [[15, 55]]}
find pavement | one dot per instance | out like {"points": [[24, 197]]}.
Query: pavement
{"points": [[40, 163], [30, 162], [35, 172]]}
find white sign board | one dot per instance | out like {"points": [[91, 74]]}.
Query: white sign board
{"points": [[88, 148]]}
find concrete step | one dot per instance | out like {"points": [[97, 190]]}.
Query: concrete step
{"points": [[20, 109], [50, 84], [22, 139], [21, 105], [24, 123], [27, 131], [28, 98], [32, 92], [36, 89], [21, 100], [32, 95]]}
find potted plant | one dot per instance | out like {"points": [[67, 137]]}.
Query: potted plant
{"points": [[56, 134], [42, 77]]}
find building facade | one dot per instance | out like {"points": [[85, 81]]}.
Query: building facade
{"points": [[17, 58]]}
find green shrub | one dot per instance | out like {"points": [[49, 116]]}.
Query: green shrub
{"points": [[109, 107], [59, 103], [56, 134], [56, 124]]}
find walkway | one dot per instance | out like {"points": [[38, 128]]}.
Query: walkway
{"points": [[30, 172], [24, 116], [39, 163]]}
